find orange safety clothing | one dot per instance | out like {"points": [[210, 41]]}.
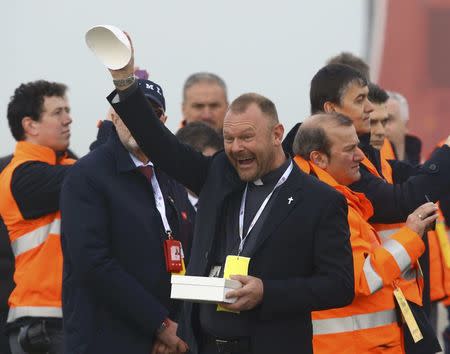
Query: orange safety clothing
{"points": [[387, 151], [411, 281], [439, 270], [370, 323], [35, 243]]}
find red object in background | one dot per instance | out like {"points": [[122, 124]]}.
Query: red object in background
{"points": [[410, 53]]}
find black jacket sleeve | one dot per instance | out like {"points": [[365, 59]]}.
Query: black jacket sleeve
{"points": [[393, 203], [178, 160], [36, 186]]}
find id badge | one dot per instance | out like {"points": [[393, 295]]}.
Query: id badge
{"points": [[174, 255], [407, 315], [234, 265]]}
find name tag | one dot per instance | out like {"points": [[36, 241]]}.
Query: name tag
{"points": [[173, 253], [234, 265], [408, 315]]}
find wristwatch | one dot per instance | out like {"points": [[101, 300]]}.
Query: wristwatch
{"points": [[164, 325]]}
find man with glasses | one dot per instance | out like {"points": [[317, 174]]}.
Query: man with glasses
{"points": [[118, 210]]}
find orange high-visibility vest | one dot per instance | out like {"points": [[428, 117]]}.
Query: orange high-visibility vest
{"points": [[370, 323], [387, 151], [411, 281], [35, 243]]}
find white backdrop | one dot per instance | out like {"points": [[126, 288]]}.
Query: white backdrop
{"points": [[273, 48]]}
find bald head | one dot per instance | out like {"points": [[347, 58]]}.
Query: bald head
{"points": [[312, 136]]}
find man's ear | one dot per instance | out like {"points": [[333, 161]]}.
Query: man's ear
{"points": [[319, 159], [278, 132], [328, 107], [30, 126]]}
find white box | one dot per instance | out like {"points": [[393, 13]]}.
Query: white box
{"points": [[202, 289]]}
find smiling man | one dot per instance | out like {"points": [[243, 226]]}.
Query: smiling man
{"points": [[326, 147], [39, 119], [251, 200]]}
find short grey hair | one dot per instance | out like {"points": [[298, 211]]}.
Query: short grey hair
{"points": [[402, 102], [203, 77]]}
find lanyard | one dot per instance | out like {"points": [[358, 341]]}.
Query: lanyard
{"points": [[282, 179], [159, 201]]}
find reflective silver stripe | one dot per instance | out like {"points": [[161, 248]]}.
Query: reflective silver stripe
{"points": [[33, 311], [399, 253], [354, 323], [373, 279], [35, 238], [386, 234]]}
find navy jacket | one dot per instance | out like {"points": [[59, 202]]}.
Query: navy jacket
{"points": [[303, 253], [115, 285]]}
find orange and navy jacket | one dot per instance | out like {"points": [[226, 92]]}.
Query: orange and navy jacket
{"points": [[411, 281], [439, 269], [370, 321], [31, 215]]}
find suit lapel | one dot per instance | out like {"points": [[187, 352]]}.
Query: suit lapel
{"points": [[287, 198]]}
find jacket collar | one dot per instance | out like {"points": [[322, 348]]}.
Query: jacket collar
{"points": [[35, 152], [354, 199], [287, 198]]}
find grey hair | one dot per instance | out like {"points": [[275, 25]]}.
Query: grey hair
{"points": [[403, 104], [203, 77]]}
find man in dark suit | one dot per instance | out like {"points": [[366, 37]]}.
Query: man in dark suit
{"points": [[253, 203], [116, 286]]}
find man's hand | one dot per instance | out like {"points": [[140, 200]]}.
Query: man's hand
{"points": [[168, 341], [127, 71], [248, 297], [422, 217]]}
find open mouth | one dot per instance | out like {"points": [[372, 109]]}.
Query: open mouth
{"points": [[245, 162]]}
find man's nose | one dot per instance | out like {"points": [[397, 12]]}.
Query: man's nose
{"points": [[368, 107], [359, 156]]}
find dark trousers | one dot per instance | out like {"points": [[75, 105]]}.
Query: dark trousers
{"points": [[55, 347], [210, 346], [446, 334], [4, 341]]}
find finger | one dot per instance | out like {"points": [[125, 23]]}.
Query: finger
{"points": [[182, 346], [244, 279], [237, 293], [430, 219]]}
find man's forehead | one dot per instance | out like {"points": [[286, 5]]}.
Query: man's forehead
{"points": [[342, 135], [355, 88]]}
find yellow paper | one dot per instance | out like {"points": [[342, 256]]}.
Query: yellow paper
{"points": [[443, 242], [408, 315], [234, 265]]}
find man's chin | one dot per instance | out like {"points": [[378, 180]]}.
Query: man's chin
{"points": [[247, 176]]}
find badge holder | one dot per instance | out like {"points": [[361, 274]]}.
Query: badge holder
{"points": [[173, 253]]}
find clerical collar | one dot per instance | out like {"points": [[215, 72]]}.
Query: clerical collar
{"points": [[272, 177]]}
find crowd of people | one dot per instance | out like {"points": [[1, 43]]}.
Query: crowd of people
{"points": [[336, 230]]}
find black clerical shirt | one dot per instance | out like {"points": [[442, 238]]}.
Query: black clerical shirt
{"points": [[226, 324]]}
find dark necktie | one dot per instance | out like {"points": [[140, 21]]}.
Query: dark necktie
{"points": [[147, 171]]}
